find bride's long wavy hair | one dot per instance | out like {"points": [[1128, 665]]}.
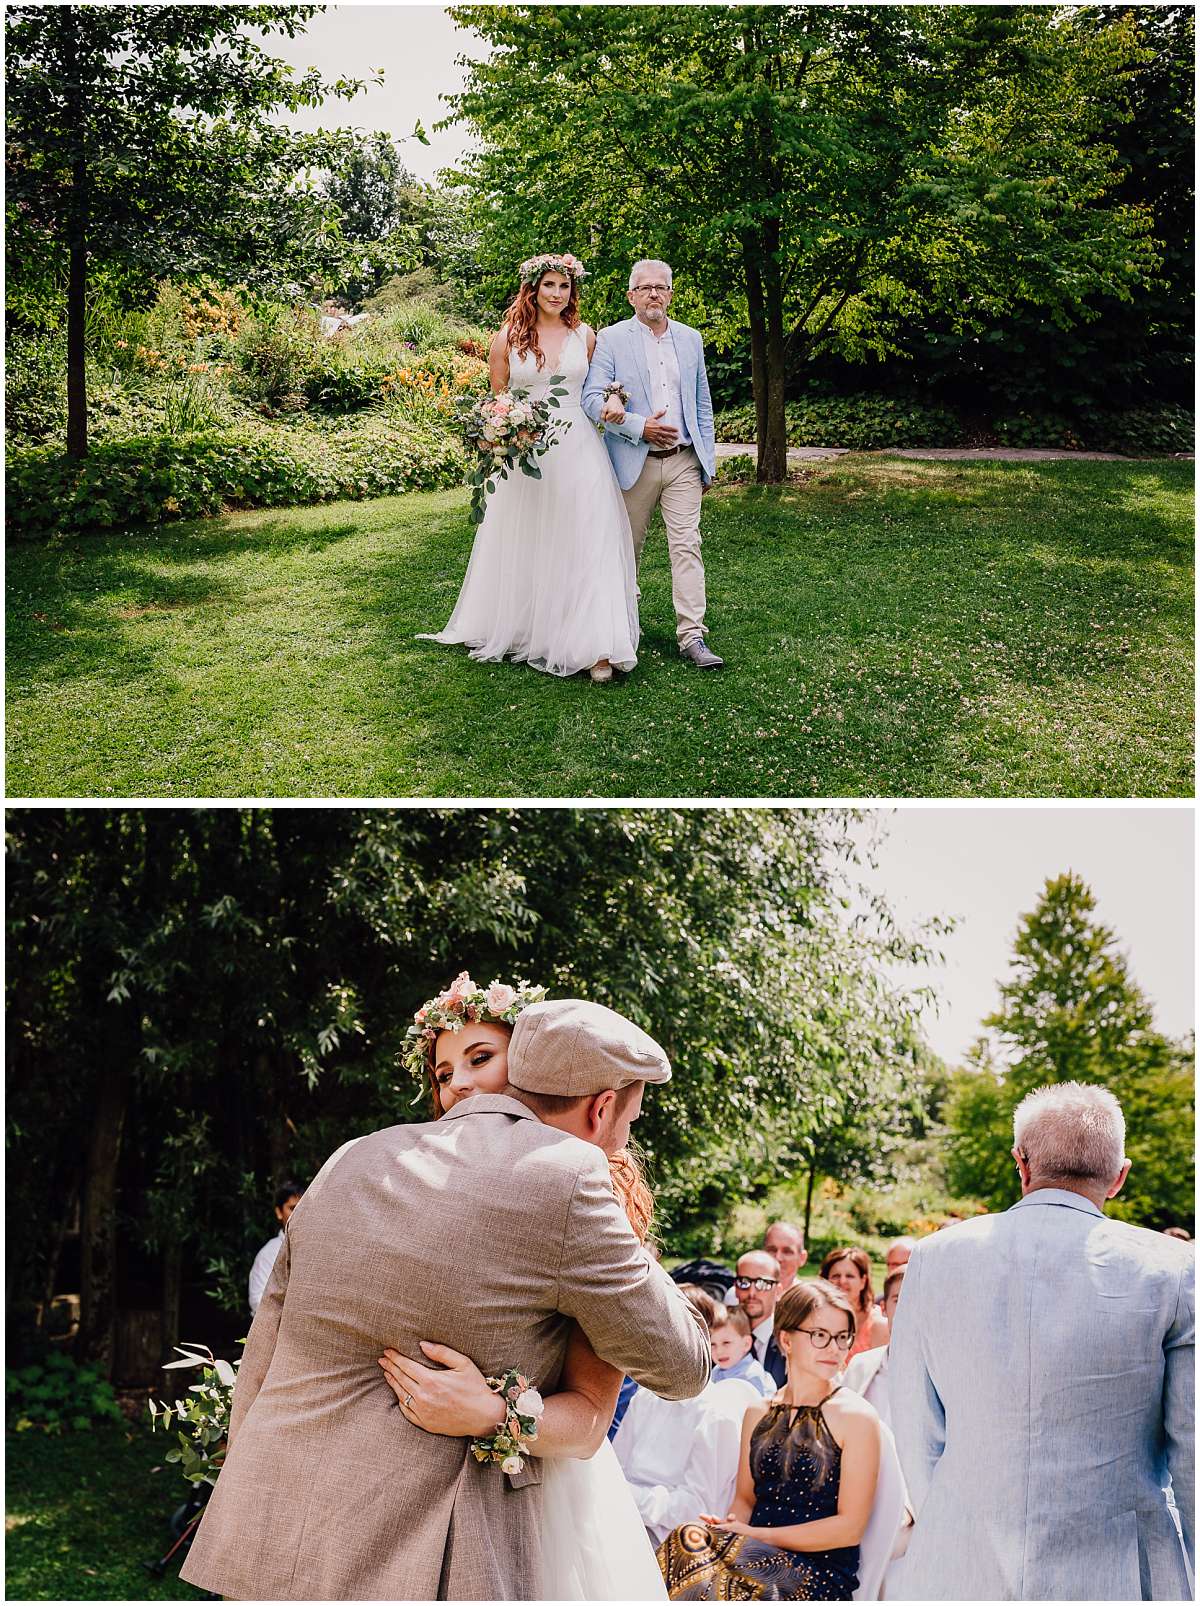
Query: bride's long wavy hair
{"points": [[522, 316], [626, 1166]]}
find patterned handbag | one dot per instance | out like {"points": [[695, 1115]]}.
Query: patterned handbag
{"points": [[700, 1563]]}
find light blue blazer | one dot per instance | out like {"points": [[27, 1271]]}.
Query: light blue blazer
{"points": [[1042, 1389], [621, 355]]}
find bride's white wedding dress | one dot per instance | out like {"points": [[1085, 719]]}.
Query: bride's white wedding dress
{"points": [[552, 579], [594, 1546]]}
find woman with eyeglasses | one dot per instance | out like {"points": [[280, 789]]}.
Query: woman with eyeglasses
{"points": [[806, 1478]]}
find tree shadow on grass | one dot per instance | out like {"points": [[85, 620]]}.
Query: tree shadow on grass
{"points": [[57, 629]]}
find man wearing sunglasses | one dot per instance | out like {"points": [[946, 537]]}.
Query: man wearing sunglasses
{"points": [[756, 1286]]}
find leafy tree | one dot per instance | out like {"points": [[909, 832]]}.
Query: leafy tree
{"points": [[202, 1001], [821, 173], [1071, 1011], [141, 140], [382, 208]]}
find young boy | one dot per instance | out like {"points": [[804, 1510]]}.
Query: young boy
{"points": [[731, 1346]]}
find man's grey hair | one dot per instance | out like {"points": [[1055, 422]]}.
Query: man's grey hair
{"points": [[1071, 1131], [649, 262]]}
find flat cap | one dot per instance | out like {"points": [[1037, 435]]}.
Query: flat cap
{"points": [[575, 1048]]}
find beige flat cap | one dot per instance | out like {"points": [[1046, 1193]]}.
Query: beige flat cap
{"points": [[575, 1048]]}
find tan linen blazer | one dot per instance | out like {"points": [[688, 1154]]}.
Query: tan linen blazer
{"points": [[488, 1231]]}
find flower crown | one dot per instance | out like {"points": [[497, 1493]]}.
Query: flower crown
{"points": [[463, 1003], [532, 269]]}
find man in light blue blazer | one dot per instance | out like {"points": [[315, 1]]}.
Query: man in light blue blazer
{"points": [[661, 442], [1042, 1386]]}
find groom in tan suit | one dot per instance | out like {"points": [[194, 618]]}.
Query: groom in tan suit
{"points": [[490, 1230]]}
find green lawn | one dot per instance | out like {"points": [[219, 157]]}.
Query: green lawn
{"points": [[892, 628], [82, 1512]]}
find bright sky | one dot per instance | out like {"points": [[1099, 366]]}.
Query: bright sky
{"points": [[988, 866], [415, 45]]}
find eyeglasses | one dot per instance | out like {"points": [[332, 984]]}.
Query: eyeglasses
{"points": [[755, 1282], [823, 1339], [645, 289]]}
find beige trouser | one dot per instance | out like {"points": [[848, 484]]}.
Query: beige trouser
{"points": [[677, 484]]}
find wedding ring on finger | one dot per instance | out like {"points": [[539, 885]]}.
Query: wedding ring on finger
{"points": [[408, 1399]]}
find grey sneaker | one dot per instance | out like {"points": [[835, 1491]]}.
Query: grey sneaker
{"points": [[702, 656]]}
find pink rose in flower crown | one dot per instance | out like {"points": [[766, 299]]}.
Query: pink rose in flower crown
{"points": [[499, 997], [420, 1016], [461, 987]]}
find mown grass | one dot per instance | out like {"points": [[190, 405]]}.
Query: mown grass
{"points": [[892, 628], [82, 1512]]}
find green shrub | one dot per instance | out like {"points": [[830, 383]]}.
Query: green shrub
{"points": [[864, 422], [56, 1395], [35, 386], [739, 470], [344, 380], [151, 479], [1163, 427], [276, 356]]}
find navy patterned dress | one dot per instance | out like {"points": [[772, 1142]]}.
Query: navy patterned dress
{"points": [[796, 1464]]}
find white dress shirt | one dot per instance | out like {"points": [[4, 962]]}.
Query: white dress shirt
{"points": [[867, 1374], [662, 365], [680, 1457], [260, 1272]]}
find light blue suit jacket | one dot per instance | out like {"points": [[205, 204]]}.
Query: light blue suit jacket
{"points": [[621, 355], [1042, 1389]]}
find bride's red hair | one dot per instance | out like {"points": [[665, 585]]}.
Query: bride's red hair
{"points": [[522, 316]]}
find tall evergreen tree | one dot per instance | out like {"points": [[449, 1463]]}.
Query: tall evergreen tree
{"points": [[1072, 1011]]}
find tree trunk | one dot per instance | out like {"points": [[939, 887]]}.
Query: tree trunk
{"points": [[758, 341], [172, 1287], [55, 1256], [98, 1279], [77, 213], [772, 440], [812, 1178]]}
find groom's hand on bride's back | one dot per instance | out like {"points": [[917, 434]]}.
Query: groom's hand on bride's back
{"points": [[662, 436]]}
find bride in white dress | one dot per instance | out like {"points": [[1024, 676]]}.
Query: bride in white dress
{"points": [[594, 1545], [552, 580]]}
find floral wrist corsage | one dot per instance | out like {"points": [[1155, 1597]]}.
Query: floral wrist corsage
{"points": [[523, 1407], [615, 388]]}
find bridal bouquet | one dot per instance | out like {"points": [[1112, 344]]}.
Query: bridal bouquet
{"points": [[508, 431], [203, 1417]]}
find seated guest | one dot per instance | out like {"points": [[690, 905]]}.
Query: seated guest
{"points": [[680, 1457], [898, 1254], [287, 1197], [628, 1389], [785, 1242], [807, 1475], [756, 1288], [731, 1350], [850, 1270], [867, 1373]]}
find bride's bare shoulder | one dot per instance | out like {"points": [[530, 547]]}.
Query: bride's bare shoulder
{"points": [[500, 340]]}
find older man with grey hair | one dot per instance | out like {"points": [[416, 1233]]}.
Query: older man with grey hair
{"points": [[648, 385], [1042, 1385]]}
